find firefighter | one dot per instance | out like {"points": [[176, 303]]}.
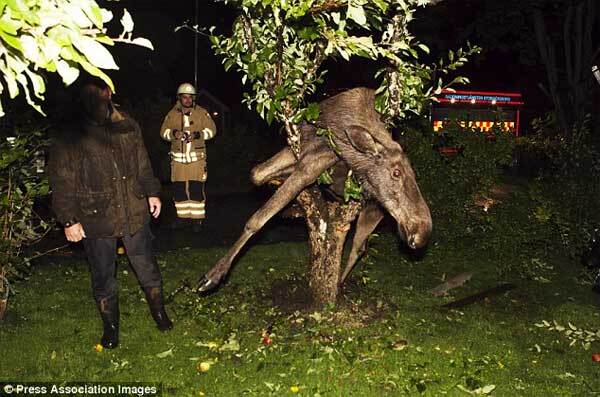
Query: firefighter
{"points": [[188, 126]]}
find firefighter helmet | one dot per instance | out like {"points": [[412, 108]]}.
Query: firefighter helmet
{"points": [[186, 88]]}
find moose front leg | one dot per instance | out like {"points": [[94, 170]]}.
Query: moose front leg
{"points": [[280, 165], [308, 169], [368, 219]]}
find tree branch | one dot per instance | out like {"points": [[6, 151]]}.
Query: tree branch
{"points": [[327, 5], [246, 23]]}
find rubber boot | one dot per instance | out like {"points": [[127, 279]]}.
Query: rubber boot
{"points": [[157, 308], [109, 311]]}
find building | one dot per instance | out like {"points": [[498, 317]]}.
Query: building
{"points": [[478, 109]]}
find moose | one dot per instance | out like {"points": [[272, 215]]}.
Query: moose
{"points": [[362, 144]]}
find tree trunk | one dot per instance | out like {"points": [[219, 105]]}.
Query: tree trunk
{"points": [[328, 224], [570, 83]]}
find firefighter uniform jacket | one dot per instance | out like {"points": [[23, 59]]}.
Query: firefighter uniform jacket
{"points": [[188, 156]]}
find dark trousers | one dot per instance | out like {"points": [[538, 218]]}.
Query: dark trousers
{"points": [[102, 254], [189, 199]]}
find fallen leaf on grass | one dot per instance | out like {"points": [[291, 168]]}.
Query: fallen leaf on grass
{"points": [[232, 344], [211, 345], [400, 345], [484, 390], [481, 391], [166, 353]]}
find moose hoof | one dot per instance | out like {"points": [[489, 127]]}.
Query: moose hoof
{"points": [[205, 285]]}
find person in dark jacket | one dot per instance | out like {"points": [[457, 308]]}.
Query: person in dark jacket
{"points": [[103, 189]]}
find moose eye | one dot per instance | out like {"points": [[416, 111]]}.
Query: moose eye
{"points": [[397, 173]]}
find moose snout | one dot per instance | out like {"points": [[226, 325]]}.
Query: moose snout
{"points": [[412, 242], [417, 241], [416, 235]]}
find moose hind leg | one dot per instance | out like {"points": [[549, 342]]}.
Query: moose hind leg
{"points": [[368, 219], [307, 171]]}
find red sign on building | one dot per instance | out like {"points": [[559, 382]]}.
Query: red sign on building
{"points": [[478, 109]]}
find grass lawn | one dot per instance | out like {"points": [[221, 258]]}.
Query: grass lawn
{"points": [[388, 336]]}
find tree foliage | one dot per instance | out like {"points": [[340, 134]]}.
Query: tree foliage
{"points": [[279, 46], [56, 36]]}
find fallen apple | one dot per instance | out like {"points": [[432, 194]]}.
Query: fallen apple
{"points": [[203, 366]]}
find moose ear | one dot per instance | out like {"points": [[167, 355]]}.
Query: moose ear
{"points": [[361, 140]]}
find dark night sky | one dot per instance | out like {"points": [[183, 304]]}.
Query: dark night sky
{"points": [[147, 73]]}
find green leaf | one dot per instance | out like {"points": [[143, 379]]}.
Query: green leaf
{"points": [[61, 35], [104, 40], [22, 80], [107, 15], [127, 22], [357, 13], [325, 178], [11, 80], [11, 40], [17, 6], [312, 112], [78, 16], [94, 71], [143, 42], [39, 87], [10, 26], [95, 53], [94, 13], [352, 189], [67, 72]]}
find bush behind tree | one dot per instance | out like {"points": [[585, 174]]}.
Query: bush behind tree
{"points": [[567, 190], [451, 184]]}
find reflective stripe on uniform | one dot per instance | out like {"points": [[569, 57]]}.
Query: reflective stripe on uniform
{"points": [[208, 133], [188, 152], [167, 134], [182, 158], [190, 209], [197, 214]]}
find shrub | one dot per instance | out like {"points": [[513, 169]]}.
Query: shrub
{"points": [[452, 183], [567, 191], [22, 182]]}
